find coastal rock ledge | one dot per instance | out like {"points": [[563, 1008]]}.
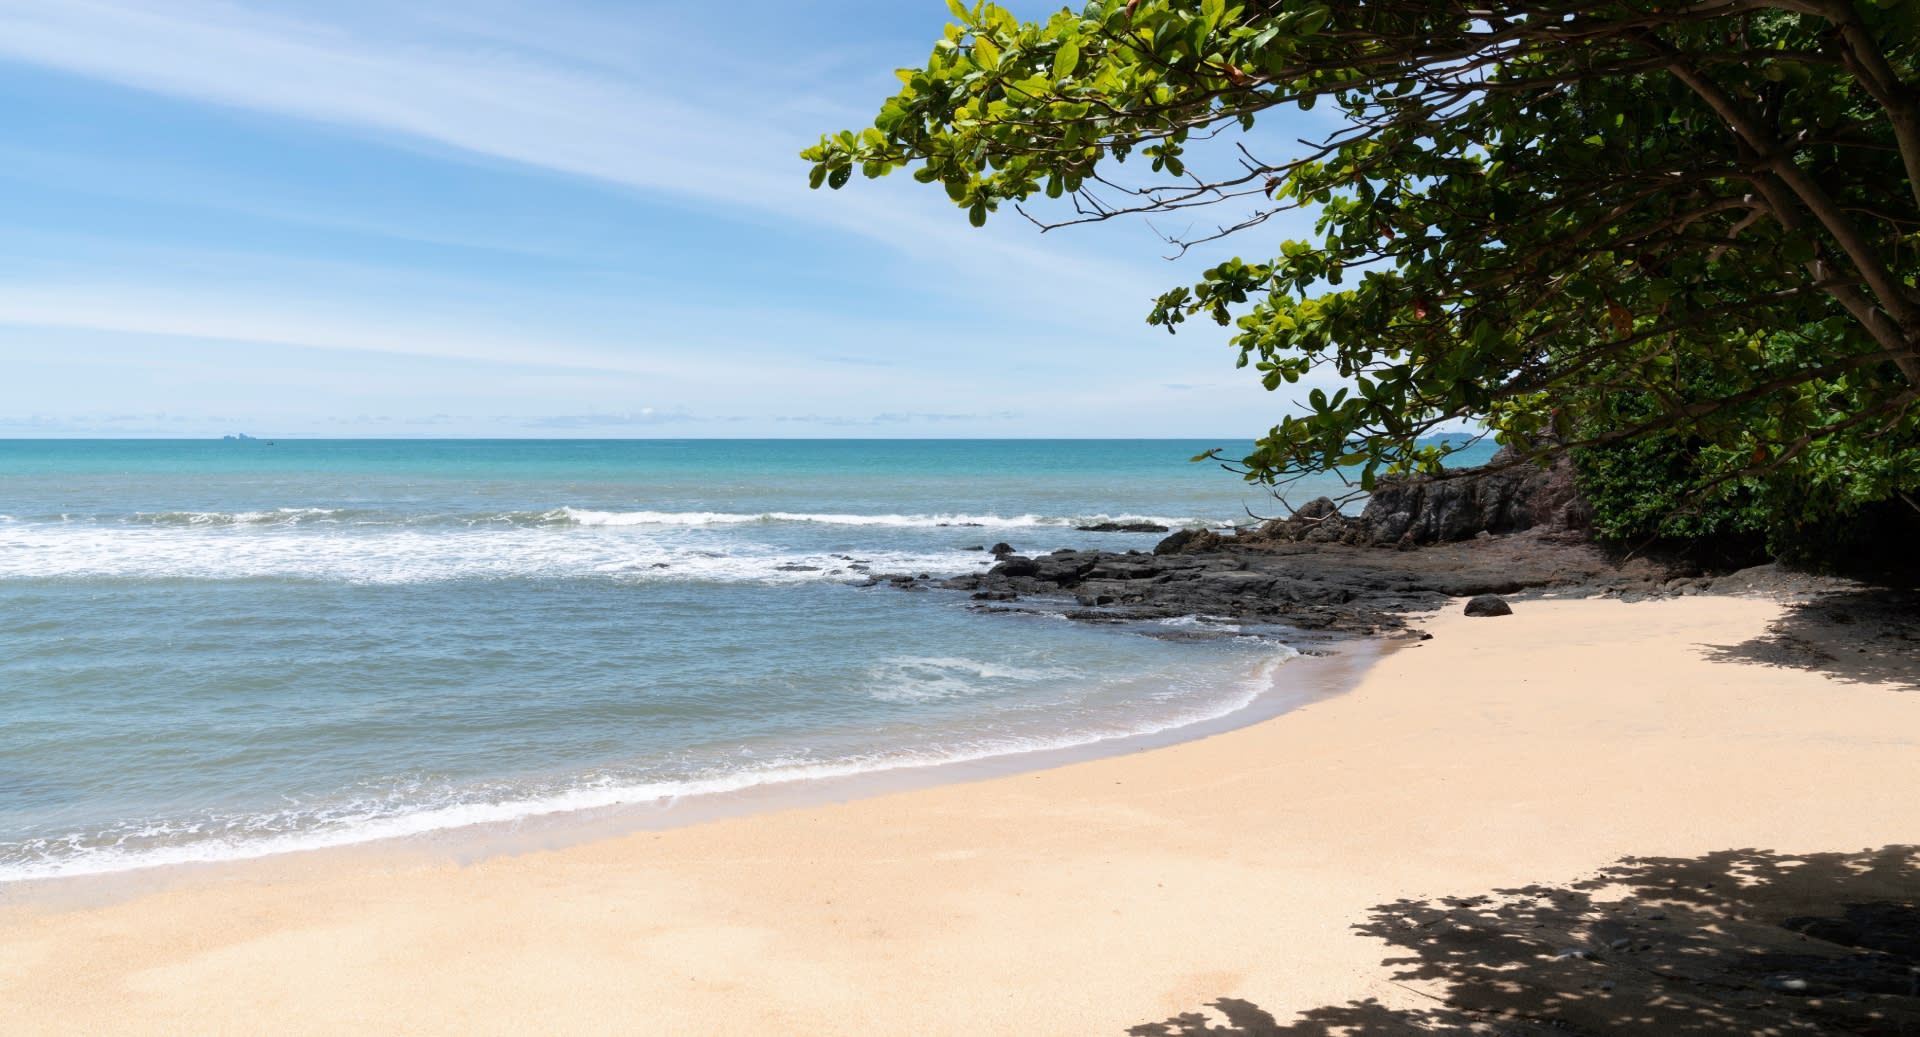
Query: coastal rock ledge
{"points": [[1502, 528], [1505, 495], [1333, 587]]}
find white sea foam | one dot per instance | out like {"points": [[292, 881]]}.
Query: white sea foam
{"points": [[587, 517], [372, 547], [421, 556], [275, 516], [927, 678], [1199, 622], [388, 817]]}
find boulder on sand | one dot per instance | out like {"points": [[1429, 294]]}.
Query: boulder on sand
{"points": [[1489, 605]]}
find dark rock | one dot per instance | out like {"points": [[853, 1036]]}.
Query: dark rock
{"points": [[1489, 605], [976, 547], [1016, 565], [1124, 567], [1319, 521], [1342, 585], [1505, 495], [796, 568], [1096, 617], [1123, 527], [1065, 567], [1001, 548], [1189, 541]]}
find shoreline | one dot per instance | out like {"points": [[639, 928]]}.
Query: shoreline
{"points": [[1319, 669], [1102, 896]]}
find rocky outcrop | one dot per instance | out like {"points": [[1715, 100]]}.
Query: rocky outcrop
{"points": [[1505, 495], [1503, 528], [1311, 586], [1191, 541]]}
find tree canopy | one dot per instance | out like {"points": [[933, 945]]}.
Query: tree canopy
{"points": [[1578, 223]]}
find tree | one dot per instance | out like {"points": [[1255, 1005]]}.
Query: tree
{"points": [[1579, 223]]}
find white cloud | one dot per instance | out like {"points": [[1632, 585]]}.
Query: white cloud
{"points": [[523, 105]]}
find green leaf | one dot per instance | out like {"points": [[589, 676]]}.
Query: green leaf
{"points": [[1211, 11], [1065, 60], [985, 54]]}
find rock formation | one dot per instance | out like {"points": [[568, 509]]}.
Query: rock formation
{"points": [[1505, 495]]}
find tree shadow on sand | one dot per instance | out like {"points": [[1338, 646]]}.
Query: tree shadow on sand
{"points": [[1736, 942], [1866, 636]]}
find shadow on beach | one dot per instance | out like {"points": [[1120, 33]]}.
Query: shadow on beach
{"points": [[1735, 942], [1869, 636]]}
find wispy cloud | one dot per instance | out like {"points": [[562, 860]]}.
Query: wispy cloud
{"points": [[138, 310], [644, 417], [522, 105], [895, 418]]}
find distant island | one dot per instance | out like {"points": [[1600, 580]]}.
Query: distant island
{"points": [[236, 436]]}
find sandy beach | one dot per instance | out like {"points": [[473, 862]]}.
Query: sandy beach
{"points": [[1256, 881]]}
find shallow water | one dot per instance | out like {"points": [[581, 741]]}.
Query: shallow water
{"points": [[214, 650]]}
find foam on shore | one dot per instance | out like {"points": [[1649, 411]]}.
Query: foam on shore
{"points": [[394, 814]]}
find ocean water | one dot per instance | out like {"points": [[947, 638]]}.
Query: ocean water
{"points": [[222, 649]]}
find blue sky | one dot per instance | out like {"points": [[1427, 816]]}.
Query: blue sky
{"points": [[491, 218]]}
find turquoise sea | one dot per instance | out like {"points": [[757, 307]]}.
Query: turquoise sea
{"points": [[223, 649]]}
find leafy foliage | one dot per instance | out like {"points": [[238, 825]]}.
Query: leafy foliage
{"points": [[1676, 485], [1530, 214]]}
